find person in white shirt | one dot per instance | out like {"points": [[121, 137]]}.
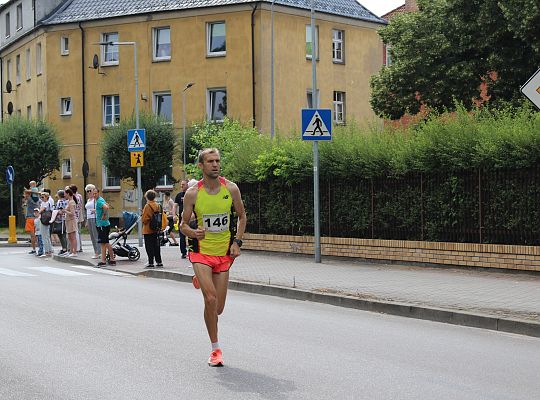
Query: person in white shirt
{"points": [[90, 207]]}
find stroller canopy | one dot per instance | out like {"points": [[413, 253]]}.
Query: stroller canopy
{"points": [[130, 218]]}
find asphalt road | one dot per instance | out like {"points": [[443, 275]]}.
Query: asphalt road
{"points": [[74, 333]]}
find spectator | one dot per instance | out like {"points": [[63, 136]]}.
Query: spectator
{"points": [[168, 209], [151, 240], [71, 222], [90, 207], [37, 232]]}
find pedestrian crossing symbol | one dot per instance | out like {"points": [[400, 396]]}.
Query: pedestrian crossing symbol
{"points": [[136, 140], [316, 124]]}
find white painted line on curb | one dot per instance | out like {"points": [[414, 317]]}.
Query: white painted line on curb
{"points": [[10, 272], [100, 271], [58, 271]]}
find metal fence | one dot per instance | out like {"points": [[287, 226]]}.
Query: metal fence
{"points": [[473, 207]]}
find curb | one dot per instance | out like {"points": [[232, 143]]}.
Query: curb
{"points": [[520, 327], [527, 328]]}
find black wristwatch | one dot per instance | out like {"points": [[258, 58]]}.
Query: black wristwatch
{"points": [[238, 242]]}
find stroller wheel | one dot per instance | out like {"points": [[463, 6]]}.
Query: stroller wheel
{"points": [[134, 254], [108, 257]]}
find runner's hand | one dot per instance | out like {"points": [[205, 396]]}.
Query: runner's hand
{"points": [[199, 233], [235, 250]]}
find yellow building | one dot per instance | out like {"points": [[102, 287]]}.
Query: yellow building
{"points": [[225, 50]]}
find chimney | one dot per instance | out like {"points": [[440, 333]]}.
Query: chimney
{"points": [[410, 5]]}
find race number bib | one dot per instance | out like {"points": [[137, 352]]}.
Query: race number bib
{"points": [[216, 222]]}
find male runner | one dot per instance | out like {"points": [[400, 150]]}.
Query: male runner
{"points": [[213, 247]]}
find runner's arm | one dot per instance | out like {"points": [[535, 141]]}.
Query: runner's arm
{"points": [[189, 205]]}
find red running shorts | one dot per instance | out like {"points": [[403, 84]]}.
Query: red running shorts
{"points": [[217, 263]]}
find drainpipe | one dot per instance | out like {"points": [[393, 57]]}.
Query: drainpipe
{"points": [[83, 70], [253, 61]]}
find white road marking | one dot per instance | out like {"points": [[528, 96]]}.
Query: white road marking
{"points": [[100, 270], [10, 272], [58, 271]]}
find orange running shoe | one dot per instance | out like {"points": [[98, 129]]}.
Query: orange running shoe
{"points": [[216, 358], [195, 282]]}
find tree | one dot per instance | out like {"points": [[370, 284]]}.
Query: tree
{"points": [[443, 52], [158, 156], [32, 148]]}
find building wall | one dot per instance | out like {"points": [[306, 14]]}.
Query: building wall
{"points": [[28, 20], [63, 75]]}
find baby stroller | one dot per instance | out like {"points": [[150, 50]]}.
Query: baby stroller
{"points": [[118, 239], [163, 236]]}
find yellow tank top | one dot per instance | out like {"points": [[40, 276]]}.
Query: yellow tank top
{"points": [[213, 212]]}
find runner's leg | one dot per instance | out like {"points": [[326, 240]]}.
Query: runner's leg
{"points": [[221, 283], [204, 274]]}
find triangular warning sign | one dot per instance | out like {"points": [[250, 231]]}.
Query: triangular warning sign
{"points": [[316, 127], [136, 141]]}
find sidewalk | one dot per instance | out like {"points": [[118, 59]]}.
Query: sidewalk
{"points": [[497, 300]]}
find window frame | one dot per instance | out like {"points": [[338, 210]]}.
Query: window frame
{"points": [[309, 93], [66, 108], [167, 185], [8, 69], [105, 177], [105, 48], [29, 112], [155, 97], [209, 103], [28, 60], [115, 119], [64, 45], [18, 69], [388, 56], [66, 168], [341, 43], [19, 17], [155, 56], [210, 53], [317, 41], [39, 111], [339, 102], [8, 26], [39, 64]]}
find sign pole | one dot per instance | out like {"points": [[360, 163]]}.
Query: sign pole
{"points": [[315, 105], [139, 179], [10, 177]]}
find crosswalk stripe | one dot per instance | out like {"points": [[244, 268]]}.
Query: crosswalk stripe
{"points": [[10, 272], [99, 270], [58, 271]]}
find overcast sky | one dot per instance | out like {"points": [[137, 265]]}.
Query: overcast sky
{"points": [[378, 7]]}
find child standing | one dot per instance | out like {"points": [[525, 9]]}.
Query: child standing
{"points": [[37, 231]]}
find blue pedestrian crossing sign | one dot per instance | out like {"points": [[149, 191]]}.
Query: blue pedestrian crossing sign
{"points": [[316, 124], [136, 139], [10, 175]]}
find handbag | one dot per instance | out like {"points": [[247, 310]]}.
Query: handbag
{"points": [[46, 217], [58, 228]]}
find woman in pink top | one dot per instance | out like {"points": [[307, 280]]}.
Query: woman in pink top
{"points": [[71, 223]]}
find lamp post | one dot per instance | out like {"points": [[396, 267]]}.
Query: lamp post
{"points": [[184, 120], [139, 183], [272, 74]]}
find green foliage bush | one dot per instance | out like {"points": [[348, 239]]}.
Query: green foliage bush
{"points": [[33, 149]]}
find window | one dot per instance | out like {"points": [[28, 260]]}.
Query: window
{"points": [[338, 37], [29, 112], [28, 65], [66, 168], [111, 110], [309, 45], [40, 110], [216, 45], [19, 113], [38, 59], [339, 107], [388, 56], [162, 44], [64, 45], [163, 105], [165, 181], [8, 26], [217, 104], [65, 106], [310, 98], [19, 17], [8, 70], [109, 53], [18, 69], [109, 181]]}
